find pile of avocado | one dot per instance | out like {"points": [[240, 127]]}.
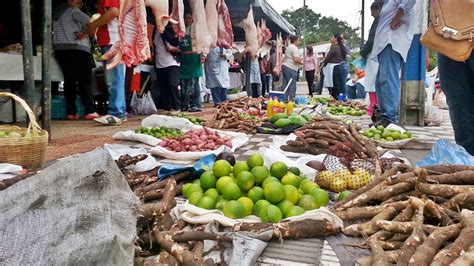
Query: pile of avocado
{"points": [[283, 120]]}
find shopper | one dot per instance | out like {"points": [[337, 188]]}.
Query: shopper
{"points": [[107, 35], [310, 65], [72, 49], [217, 74], [392, 42], [345, 65], [190, 71], [255, 78], [291, 64], [167, 67], [372, 66], [332, 66], [264, 75], [271, 66]]}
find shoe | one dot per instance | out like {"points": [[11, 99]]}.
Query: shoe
{"points": [[73, 117], [382, 122], [194, 110], [110, 120], [91, 116]]}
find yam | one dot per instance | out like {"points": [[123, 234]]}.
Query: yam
{"points": [[392, 257], [457, 178], [463, 200], [378, 255], [445, 191], [369, 228]]}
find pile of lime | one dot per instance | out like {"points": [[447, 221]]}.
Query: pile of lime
{"points": [[160, 132], [250, 188], [383, 134], [345, 110], [12, 134], [193, 119]]}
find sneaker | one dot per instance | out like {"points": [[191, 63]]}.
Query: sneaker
{"points": [[109, 120], [194, 110], [382, 122], [91, 116], [73, 117]]}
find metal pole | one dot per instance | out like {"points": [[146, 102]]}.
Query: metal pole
{"points": [[28, 63], [363, 24], [304, 35], [46, 66]]}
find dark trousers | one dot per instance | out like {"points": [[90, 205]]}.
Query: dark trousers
{"points": [[336, 80], [254, 91], [457, 83], [77, 71], [167, 91], [310, 81], [265, 83]]}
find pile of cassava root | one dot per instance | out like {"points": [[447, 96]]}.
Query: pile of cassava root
{"points": [[163, 240], [319, 135], [420, 216], [237, 116]]}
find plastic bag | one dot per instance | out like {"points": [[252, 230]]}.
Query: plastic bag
{"points": [[359, 63], [172, 169], [135, 103], [446, 152], [442, 101], [147, 106], [433, 116]]}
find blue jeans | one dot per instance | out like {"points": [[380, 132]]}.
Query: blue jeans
{"points": [[116, 83], [344, 73], [355, 92], [190, 89], [387, 83], [457, 83], [219, 95], [287, 74]]}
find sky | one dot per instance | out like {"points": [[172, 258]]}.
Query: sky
{"points": [[347, 10]]}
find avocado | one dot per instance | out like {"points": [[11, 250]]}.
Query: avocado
{"points": [[276, 117], [283, 122]]}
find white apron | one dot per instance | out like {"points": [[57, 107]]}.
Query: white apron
{"points": [[371, 70]]}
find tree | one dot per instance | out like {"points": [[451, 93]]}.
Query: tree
{"points": [[320, 28]]}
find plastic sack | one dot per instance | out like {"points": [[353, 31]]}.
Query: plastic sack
{"points": [[8, 170], [117, 150], [446, 152], [359, 63], [168, 121], [135, 103], [301, 100], [442, 101], [147, 106], [171, 169], [130, 135]]}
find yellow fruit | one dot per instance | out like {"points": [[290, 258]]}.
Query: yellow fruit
{"points": [[234, 209], [285, 206], [324, 178], [321, 197], [207, 203], [294, 211], [338, 185], [195, 197], [291, 193], [231, 191], [245, 181], [208, 180], [291, 179], [260, 173], [189, 189], [278, 169], [255, 160], [248, 205], [308, 187], [239, 167], [255, 194], [222, 182], [220, 204], [271, 214], [212, 192], [259, 205], [274, 192], [221, 168], [307, 202], [269, 180]]}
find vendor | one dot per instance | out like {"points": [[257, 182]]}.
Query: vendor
{"points": [[217, 74], [255, 79], [190, 71], [355, 86]]}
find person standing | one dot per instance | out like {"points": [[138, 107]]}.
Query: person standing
{"points": [[392, 42], [107, 35], [271, 66], [72, 49], [255, 78], [167, 67], [332, 70], [310, 65], [345, 66], [372, 66], [190, 70], [264, 74], [217, 74], [291, 64]]}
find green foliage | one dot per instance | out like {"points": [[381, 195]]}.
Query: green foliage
{"points": [[320, 28], [433, 59]]}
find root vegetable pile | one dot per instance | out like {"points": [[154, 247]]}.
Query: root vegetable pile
{"points": [[431, 222], [197, 140], [318, 136]]}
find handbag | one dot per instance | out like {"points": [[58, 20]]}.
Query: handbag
{"points": [[451, 31]]}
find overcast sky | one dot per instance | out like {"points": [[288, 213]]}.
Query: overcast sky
{"points": [[347, 10]]}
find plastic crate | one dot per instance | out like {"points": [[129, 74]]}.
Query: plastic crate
{"points": [[58, 107]]}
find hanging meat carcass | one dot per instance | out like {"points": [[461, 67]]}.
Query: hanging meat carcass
{"points": [[160, 9], [203, 38], [177, 14], [133, 47], [251, 40], [212, 20], [259, 35], [279, 56], [266, 33], [225, 36]]}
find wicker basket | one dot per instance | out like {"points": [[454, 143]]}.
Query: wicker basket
{"points": [[27, 151]]}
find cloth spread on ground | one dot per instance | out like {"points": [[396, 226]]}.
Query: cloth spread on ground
{"points": [[63, 215]]}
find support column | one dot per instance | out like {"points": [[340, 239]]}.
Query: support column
{"points": [[28, 67], [45, 66]]}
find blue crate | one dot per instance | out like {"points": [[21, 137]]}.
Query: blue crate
{"points": [[58, 108]]}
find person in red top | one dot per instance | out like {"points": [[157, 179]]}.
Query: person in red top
{"points": [[106, 28]]}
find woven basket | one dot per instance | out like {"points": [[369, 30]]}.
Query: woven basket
{"points": [[27, 151]]}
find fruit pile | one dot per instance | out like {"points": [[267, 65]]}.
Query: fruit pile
{"points": [[160, 132], [11, 134], [343, 179], [202, 139], [385, 134], [192, 119], [345, 110], [283, 120], [251, 188], [321, 100]]}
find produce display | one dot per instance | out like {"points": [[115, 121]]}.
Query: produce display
{"points": [[414, 216], [344, 179], [248, 188], [319, 135], [345, 110], [319, 100], [351, 104], [385, 134], [192, 119], [283, 120], [160, 132], [202, 139]]}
